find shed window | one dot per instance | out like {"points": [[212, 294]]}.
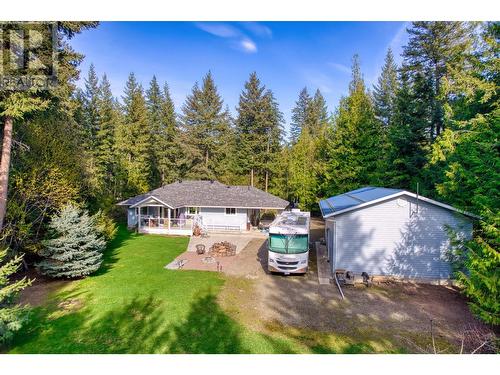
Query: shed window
{"points": [[230, 211]]}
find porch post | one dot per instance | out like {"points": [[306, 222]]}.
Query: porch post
{"points": [[139, 219], [169, 219]]}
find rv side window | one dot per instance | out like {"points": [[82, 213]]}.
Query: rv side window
{"points": [[230, 211]]}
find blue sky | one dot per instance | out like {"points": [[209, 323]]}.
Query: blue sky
{"points": [[286, 55]]}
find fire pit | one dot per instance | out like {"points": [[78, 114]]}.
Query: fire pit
{"points": [[222, 249]]}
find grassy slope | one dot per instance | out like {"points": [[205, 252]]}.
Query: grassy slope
{"points": [[134, 305]]}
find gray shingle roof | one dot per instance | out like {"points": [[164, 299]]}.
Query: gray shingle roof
{"points": [[210, 194]]}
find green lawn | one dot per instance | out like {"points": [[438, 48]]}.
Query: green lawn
{"points": [[134, 305]]}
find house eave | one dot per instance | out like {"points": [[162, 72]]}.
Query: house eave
{"points": [[150, 197]]}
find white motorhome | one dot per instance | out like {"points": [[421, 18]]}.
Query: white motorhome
{"points": [[288, 243]]}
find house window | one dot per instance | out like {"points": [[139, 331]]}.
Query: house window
{"points": [[230, 211], [193, 210]]}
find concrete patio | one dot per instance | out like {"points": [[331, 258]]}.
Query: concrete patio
{"points": [[190, 260]]}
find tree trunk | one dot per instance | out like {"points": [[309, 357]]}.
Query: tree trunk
{"points": [[251, 177], [267, 179], [4, 167]]}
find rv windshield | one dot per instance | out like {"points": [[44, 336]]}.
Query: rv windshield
{"points": [[288, 244]]}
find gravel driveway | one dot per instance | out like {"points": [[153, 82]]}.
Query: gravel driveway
{"points": [[389, 311]]}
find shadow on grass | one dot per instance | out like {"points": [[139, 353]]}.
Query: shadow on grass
{"points": [[110, 253], [300, 340], [139, 326]]}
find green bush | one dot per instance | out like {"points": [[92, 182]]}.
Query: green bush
{"points": [[75, 245], [12, 316], [105, 225]]}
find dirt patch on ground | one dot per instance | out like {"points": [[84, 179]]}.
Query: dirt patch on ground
{"points": [[36, 294], [394, 311]]}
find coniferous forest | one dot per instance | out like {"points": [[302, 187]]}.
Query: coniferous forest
{"points": [[431, 121]]}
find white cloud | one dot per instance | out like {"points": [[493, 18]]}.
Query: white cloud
{"points": [[340, 67], [258, 29], [248, 45], [223, 30], [218, 29]]}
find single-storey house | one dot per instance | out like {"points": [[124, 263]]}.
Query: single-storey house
{"points": [[178, 207], [391, 232]]}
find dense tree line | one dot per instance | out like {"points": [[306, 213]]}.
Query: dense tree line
{"points": [[432, 120]]}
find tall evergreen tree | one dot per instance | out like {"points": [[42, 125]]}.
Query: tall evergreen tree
{"points": [[170, 152], [465, 164], [154, 100], [134, 139], [302, 180], [407, 138], [207, 127], [317, 115], [259, 130], [15, 105], [273, 137], [354, 144], [107, 167], [432, 50], [385, 91], [299, 115], [91, 119]]}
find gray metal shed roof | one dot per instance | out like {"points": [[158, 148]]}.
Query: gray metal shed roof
{"points": [[369, 195], [210, 194], [354, 198]]}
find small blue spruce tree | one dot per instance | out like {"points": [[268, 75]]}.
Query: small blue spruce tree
{"points": [[74, 248]]}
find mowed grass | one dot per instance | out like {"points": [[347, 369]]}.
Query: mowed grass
{"points": [[134, 305]]}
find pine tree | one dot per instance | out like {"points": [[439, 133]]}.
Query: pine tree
{"points": [[273, 138], [432, 50], [302, 179], [12, 316], [299, 115], [316, 121], [207, 129], [464, 166], [259, 131], [15, 105], [134, 139], [154, 100], [407, 138], [355, 141], [384, 93], [91, 119], [74, 249], [170, 153], [105, 149]]}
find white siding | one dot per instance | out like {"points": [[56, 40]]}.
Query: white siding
{"points": [[217, 216], [392, 238]]}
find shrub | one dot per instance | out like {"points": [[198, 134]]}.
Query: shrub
{"points": [[105, 225], [75, 245]]}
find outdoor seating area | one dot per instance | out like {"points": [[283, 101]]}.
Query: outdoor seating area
{"points": [[215, 252]]}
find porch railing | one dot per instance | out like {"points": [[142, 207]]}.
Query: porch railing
{"points": [[165, 223]]}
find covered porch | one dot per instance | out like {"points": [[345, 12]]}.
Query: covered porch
{"points": [[153, 216]]}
